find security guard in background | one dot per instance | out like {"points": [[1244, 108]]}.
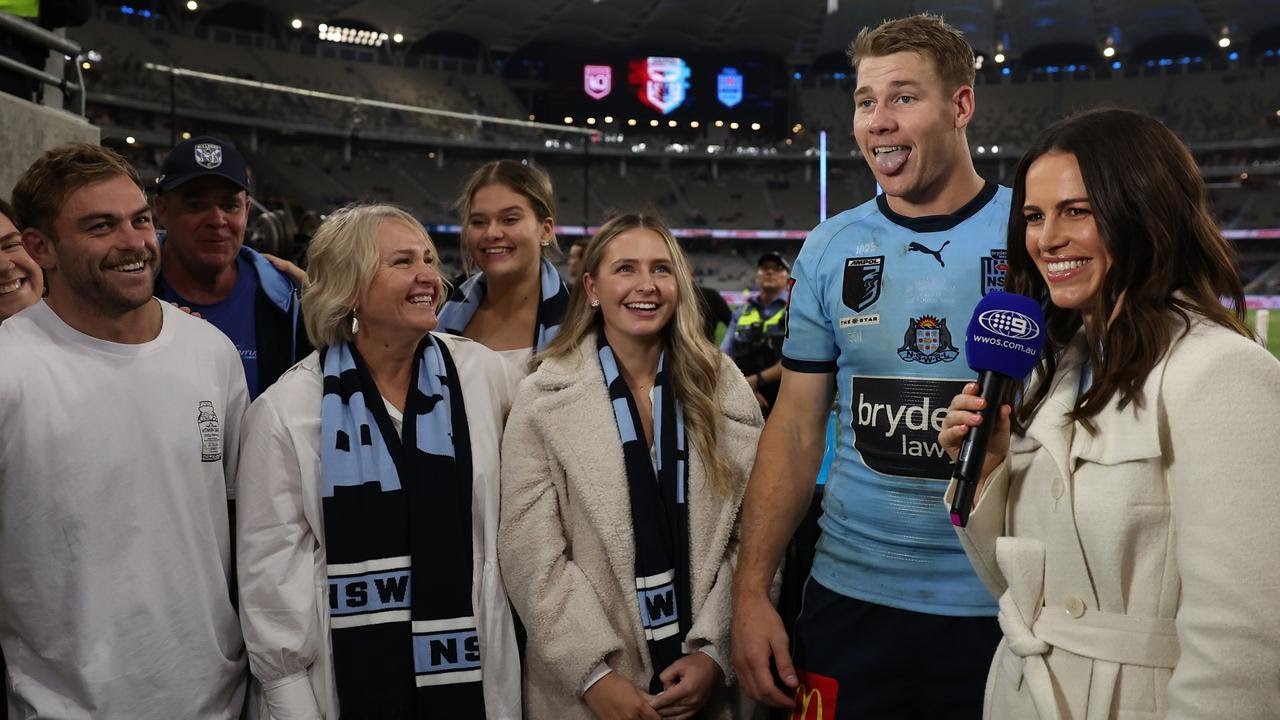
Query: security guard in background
{"points": [[754, 339]]}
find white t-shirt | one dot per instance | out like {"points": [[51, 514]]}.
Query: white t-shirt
{"points": [[115, 464], [517, 361]]}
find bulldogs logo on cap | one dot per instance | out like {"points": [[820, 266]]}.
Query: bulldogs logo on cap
{"points": [[208, 155]]}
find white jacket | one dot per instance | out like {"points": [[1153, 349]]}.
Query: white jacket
{"points": [[1137, 566], [280, 539]]}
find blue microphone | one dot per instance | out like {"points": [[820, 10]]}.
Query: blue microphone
{"points": [[1003, 343]]}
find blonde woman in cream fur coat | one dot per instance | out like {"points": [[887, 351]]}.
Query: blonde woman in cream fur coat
{"points": [[1129, 522], [576, 539]]}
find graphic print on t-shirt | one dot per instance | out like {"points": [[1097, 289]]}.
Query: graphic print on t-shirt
{"points": [[210, 432]]}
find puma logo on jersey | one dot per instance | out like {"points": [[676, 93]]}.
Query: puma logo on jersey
{"points": [[937, 254]]}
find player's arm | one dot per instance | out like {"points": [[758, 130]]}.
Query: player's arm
{"points": [[778, 495]]}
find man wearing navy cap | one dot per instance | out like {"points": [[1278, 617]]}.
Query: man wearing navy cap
{"points": [[754, 338], [203, 203]]}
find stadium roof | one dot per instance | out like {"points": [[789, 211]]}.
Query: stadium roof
{"points": [[797, 31]]}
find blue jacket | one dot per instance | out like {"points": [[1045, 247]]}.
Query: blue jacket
{"points": [[280, 334]]}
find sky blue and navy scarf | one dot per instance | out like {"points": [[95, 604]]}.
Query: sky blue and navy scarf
{"points": [[659, 511], [552, 305], [397, 523]]}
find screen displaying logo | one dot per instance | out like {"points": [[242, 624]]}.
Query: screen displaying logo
{"points": [[660, 82], [1009, 323], [928, 341], [597, 81], [729, 87], [862, 281], [994, 267]]}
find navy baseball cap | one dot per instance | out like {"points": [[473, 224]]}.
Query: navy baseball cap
{"points": [[774, 257], [200, 157]]}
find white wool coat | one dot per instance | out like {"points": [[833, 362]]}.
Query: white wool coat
{"points": [[566, 543], [1138, 568], [283, 576]]}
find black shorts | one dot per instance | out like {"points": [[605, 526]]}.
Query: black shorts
{"points": [[862, 661]]}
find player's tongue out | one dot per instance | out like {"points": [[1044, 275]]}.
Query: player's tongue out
{"points": [[890, 158]]}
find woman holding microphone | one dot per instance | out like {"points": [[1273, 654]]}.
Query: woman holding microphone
{"points": [[1127, 515]]}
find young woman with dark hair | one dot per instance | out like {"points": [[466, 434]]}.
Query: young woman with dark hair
{"points": [[1127, 515]]}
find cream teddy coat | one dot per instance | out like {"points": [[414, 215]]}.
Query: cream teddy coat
{"points": [[566, 545], [1138, 568]]}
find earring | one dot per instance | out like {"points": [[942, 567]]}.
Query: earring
{"points": [[595, 303], [355, 324], [546, 243]]}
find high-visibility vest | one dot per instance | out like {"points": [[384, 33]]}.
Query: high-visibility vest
{"points": [[751, 315], [21, 8]]}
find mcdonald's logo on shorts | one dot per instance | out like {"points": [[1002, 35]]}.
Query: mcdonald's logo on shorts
{"points": [[815, 697]]}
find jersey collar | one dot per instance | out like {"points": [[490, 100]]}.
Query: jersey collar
{"points": [[938, 223]]}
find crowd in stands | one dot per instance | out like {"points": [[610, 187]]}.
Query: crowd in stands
{"points": [[362, 153]]}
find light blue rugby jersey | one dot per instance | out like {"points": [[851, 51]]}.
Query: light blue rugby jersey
{"points": [[883, 300]]}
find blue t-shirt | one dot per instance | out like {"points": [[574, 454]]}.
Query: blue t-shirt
{"points": [[882, 300], [234, 316]]}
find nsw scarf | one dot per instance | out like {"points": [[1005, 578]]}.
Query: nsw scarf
{"points": [[552, 305], [659, 512], [397, 522]]}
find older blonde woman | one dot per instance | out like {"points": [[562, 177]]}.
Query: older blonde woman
{"points": [[624, 464], [368, 496]]}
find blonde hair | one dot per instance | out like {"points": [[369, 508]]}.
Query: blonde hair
{"points": [[692, 361], [926, 34], [341, 260], [526, 181]]}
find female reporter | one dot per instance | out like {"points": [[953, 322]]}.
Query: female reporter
{"points": [[1128, 523], [624, 463], [515, 302], [368, 497], [21, 280]]}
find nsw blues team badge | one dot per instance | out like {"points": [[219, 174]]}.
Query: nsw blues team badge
{"points": [[928, 341], [862, 281], [994, 267]]}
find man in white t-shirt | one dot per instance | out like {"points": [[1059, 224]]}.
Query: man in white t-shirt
{"points": [[118, 446]]}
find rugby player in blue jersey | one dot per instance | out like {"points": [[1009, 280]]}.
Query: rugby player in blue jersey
{"points": [[894, 624]]}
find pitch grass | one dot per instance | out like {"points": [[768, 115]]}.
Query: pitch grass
{"points": [[1273, 330]]}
